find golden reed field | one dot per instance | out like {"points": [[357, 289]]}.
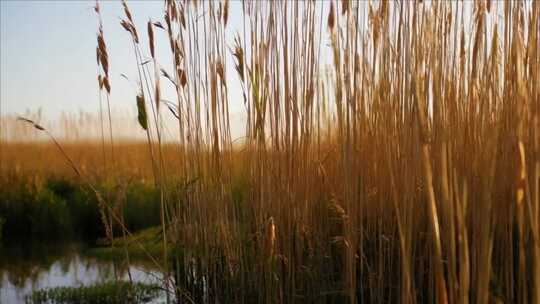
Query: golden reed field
{"points": [[401, 167]]}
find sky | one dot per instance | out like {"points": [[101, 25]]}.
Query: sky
{"points": [[48, 57], [48, 53]]}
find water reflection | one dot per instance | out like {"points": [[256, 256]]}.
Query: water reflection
{"points": [[24, 268]]}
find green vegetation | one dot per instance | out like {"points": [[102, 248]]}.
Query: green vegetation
{"points": [[2, 221], [58, 208], [104, 293], [139, 245]]}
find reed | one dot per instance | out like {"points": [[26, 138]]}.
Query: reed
{"points": [[390, 150]]}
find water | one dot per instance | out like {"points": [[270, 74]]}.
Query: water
{"points": [[24, 269]]}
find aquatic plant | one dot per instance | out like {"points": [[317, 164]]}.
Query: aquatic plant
{"points": [[103, 293]]}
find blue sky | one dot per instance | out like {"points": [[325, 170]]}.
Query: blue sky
{"points": [[47, 56]]}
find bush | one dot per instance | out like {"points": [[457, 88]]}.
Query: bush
{"points": [[59, 208]]}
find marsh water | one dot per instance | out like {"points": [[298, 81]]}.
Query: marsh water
{"points": [[28, 267]]}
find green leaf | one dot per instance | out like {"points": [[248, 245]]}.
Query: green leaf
{"points": [[142, 112]]}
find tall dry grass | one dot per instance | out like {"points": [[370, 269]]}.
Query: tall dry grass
{"points": [[409, 173]]}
